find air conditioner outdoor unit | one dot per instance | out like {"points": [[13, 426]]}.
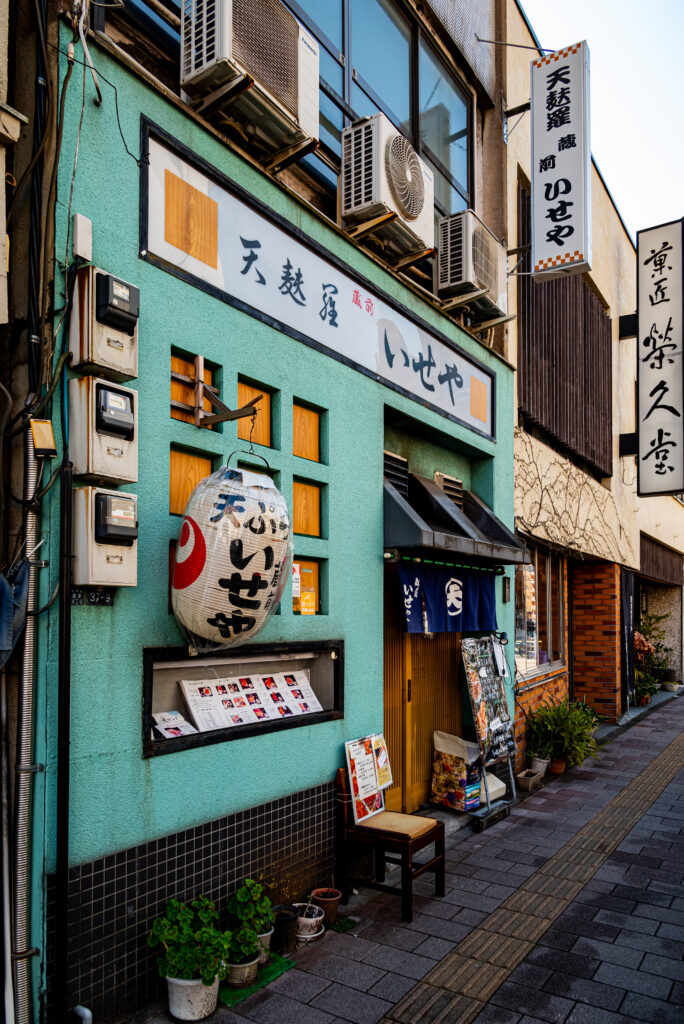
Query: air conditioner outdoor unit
{"points": [[469, 259], [260, 48], [382, 173]]}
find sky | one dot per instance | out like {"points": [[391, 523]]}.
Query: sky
{"points": [[636, 52]]}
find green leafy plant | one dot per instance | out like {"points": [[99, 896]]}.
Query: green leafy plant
{"points": [[562, 730], [651, 655], [251, 906], [592, 716], [193, 945], [244, 945]]}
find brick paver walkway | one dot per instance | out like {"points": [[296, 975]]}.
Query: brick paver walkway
{"points": [[569, 911]]}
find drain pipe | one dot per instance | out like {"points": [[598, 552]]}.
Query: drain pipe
{"points": [[24, 770], [84, 1014]]}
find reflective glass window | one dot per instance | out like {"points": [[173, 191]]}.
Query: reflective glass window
{"points": [[327, 16], [443, 118], [380, 53]]}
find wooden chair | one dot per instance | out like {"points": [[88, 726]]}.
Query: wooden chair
{"points": [[388, 833]]}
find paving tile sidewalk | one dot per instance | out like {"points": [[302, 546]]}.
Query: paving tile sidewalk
{"points": [[581, 938]]}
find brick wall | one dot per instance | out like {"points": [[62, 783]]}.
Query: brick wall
{"points": [[596, 636], [551, 687]]}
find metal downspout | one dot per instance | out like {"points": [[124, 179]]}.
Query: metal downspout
{"points": [[23, 786]]}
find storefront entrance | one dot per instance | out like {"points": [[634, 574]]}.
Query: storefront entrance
{"points": [[421, 694]]}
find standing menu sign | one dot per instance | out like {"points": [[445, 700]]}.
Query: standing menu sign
{"points": [[488, 698], [561, 162], [660, 363], [369, 773]]}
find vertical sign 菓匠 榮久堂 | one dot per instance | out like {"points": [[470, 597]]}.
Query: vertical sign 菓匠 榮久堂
{"points": [[660, 359]]}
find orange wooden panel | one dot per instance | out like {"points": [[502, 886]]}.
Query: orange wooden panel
{"points": [[305, 433], [262, 424], [185, 471], [190, 220], [478, 399], [309, 584], [181, 392], [393, 690], [306, 508]]}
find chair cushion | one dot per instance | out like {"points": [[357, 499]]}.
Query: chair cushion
{"points": [[410, 825]]}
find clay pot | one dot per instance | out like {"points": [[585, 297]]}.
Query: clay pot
{"points": [[328, 900], [558, 766]]}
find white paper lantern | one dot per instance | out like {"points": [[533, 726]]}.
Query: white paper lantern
{"points": [[233, 559]]}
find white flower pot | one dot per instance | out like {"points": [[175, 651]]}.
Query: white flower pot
{"points": [[190, 999], [265, 946], [312, 923], [242, 974]]}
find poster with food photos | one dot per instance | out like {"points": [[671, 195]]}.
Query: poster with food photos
{"points": [[488, 699], [367, 796], [248, 699]]}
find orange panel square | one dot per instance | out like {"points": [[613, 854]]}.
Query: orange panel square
{"points": [[478, 399], [190, 220]]}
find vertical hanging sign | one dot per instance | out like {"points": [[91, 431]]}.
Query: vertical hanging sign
{"points": [[660, 360], [561, 163]]}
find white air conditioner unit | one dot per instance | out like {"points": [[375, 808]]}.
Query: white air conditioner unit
{"points": [[469, 259], [258, 44], [382, 173]]}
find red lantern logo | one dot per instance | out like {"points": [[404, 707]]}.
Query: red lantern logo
{"points": [[189, 567]]}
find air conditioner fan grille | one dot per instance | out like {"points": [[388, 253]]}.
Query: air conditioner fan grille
{"points": [[405, 176]]}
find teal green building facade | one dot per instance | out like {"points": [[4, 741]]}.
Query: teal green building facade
{"points": [[199, 819]]}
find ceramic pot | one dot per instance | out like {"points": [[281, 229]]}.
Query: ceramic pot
{"points": [[313, 921], [328, 900], [190, 999], [529, 780], [284, 938], [538, 764], [242, 974], [558, 765], [265, 946], [645, 700], [671, 687]]}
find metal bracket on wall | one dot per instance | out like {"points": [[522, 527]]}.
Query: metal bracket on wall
{"points": [[463, 300], [369, 227], [477, 328], [628, 444], [207, 392], [288, 156], [628, 326], [415, 257], [223, 96]]}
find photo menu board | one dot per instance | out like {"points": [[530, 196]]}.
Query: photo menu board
{"points": [[485, 669], [245, 700]]}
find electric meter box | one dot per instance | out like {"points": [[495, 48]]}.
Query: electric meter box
{"points": [[103, 329], [105, 538], [103, 430]]}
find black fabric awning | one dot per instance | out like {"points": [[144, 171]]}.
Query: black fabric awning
{"points": [[428, 519]]}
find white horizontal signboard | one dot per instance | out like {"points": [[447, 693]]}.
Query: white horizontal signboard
{"points": [[201, 230], [660, 362], [561, 162]]}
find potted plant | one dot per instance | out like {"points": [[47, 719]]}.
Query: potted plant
{"points": [[251, 906], [194, 956], [243, 956], [537, 743], [568, 732], [328, 900]]}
